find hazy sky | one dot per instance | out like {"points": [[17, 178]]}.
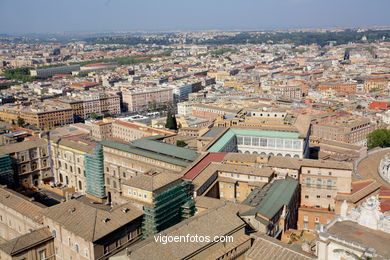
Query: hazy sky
{"points": [[40, 16]]}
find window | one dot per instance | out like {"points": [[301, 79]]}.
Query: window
{"points": [[318, 182], [106, 249], [42, 254], [305, 218], [330, 173], [76, 247], [80, 185], [263, 142], [139, 194], [145, 196], [308, 171], [247, 141], [317, 219], [288, 144], [271, 142], [318, 196], [239, 140], [86, 252], [279, 143], [297, 144], [308, 180], [255, 141], [129, 237], [306, 196], [221, 194], [78, 171], [329, 183], [54, 233]]}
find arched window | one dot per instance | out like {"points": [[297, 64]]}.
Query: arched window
{"points": [[54, 233], [76, 247], [271, 154], [279, 154], [86, 253], [288, 155], [80, 185], [67, 180], [61, 178], [296, 156]]}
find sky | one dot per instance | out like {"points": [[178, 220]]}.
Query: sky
{"points": [[51, 16]]}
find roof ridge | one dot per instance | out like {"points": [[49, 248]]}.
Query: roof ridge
{"points": [[94, 225], [16, 242]]}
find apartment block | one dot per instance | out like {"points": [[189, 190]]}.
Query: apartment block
{"points": [[124, 161], [28, 162], [138, 100], [43, 116], [164, 196], [130, 131], [351, 130]]}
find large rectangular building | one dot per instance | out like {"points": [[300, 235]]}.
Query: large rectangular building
{"points": [[138, 100]]}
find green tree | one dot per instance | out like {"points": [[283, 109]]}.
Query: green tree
{"points": [[180, 143], [20, 122], [171, 121], [93, 115], [379, 138]]}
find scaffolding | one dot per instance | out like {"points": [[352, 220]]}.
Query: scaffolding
{"points": [[6, 170], [94, 173], [169, 208]]}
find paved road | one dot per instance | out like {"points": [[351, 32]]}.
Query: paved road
{"points": [[368, 167]]}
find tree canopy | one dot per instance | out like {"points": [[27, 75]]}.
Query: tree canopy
{"points": [[171, 121], [379, 138]]}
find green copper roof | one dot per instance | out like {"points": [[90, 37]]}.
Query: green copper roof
{"points": [[223, 140], [269, 202], [150, 154], [276, 134], [165, 149]]}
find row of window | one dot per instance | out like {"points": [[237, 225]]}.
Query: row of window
{"points": [[319, 182], [135, 194], [141, 158], [319, 172], [263, 154], [269, 142]]}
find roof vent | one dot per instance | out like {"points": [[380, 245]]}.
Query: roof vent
{"points": [[105, 220], [71, 210], [125, 210]]}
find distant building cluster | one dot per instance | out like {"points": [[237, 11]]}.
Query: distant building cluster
{"points": [[106, 147]]}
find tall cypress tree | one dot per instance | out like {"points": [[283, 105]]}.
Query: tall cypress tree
{"points": [[171, 121]]}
